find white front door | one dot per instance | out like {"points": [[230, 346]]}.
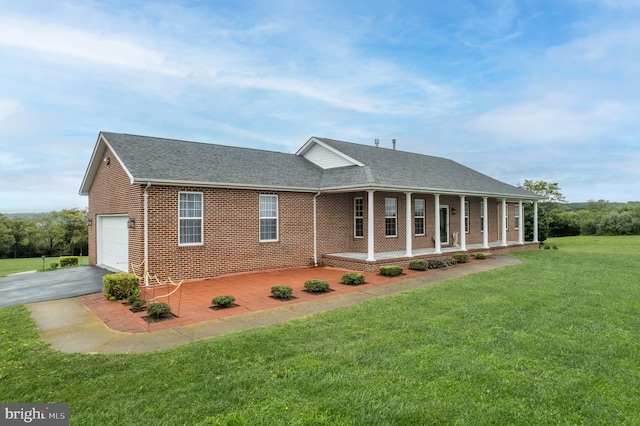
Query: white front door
{"points": [[113, 242]]}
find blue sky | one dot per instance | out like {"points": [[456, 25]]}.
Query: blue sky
{"points": [[522, 89]]}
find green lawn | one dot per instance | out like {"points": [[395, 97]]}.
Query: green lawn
{"points": [[11, 266], [555, 340]]}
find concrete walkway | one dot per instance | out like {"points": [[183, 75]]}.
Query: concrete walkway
{"points": [[70, 327]]}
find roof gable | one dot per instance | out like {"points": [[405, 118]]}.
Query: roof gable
{"points": [[325, 156]]}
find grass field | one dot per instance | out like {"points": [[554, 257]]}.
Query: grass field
{"points": [[12, 266], [555, 340]]}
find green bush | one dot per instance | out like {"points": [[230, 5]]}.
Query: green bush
{"points": [[223, 301], [441, 263], [67, 261], [390, 270], [120, 286], [419, 265], [159, 310], [461, 258], [353, 278], [547, 247], [480, 256], [53, 265], [316, 286], [138, 305], [281, 291]]}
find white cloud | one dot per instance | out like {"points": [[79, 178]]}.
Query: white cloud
{"points": [[8, 107], [106, 48]]}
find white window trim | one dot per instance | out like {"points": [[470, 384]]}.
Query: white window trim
{"points": [[481, 216], [395, 217], [201, 219], [467, 217], [269, 217], [423, 217], [358, 217], [506, 217], [516, 217]]}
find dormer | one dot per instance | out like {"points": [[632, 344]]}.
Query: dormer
{"points": [[324, 156]]}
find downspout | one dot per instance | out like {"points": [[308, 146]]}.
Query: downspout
{"points": [[146, 234], [315, 231]]}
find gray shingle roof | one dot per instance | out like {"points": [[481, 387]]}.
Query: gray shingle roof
{"points": [[158, 160], [167, 160], [407, 170]]}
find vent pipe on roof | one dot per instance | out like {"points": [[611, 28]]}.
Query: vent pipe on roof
{"points": [[393, 141], [377, 142]]}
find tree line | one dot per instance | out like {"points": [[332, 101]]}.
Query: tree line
{"points": [[56, 233], [556, 218]]}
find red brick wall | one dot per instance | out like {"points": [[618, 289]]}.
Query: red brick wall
{"points": [[112, 193], [231, 233]]}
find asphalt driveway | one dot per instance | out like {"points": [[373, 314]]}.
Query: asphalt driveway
{"points": [[52, 285]]}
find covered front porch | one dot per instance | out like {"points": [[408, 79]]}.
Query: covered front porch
{"points": [[358, 261]]}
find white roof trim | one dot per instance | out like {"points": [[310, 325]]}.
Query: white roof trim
{"points": [[96, 157], [314, 141]]}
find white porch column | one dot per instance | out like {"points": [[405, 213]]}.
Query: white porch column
{"points": [[463, 232], [370, 223], [521, 224], [504, 222], [535, 222], [437, 223], [485, 222], [408, 225]]}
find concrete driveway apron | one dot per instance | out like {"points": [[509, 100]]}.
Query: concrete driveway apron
{"points": [[52, 285]]}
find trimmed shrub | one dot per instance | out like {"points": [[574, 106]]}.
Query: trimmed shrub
{"points": [[53, 266], [419, 265], [223, 301], [353, 278], [138, 305], [461, 258], [67, 261], [441, 263], [159, 310], [316, 286], [281, 291], [390, 270], [480, 256], [120, 286]]}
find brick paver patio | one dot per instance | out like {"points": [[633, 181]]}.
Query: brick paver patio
{"points": [[192, 302]]}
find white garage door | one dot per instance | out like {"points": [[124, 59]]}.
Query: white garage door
{"points": [[113, 242]]}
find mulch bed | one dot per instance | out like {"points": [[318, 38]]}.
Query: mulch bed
{"points": [[283, 300], [219, 308], [152, 320], [315, 293]]}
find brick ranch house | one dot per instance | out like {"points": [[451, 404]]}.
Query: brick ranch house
{"points": [[191, 210]]}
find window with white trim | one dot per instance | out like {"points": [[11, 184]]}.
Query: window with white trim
{"points": [[391, 217], [516, 216], [482, 216], [190, 218], [268, 218], [466, 217], [418, 216], [358, 217]]}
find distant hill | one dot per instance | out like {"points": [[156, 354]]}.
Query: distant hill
{"points": [[26, 215]]}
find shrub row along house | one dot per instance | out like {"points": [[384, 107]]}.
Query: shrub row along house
{"points": [[191, 210]]}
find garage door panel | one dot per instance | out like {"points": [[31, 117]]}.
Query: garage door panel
{"points": [[113, 242]]}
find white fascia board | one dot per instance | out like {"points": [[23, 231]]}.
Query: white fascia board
{"points": [[313, 141], [167, 182], [96, 157]]}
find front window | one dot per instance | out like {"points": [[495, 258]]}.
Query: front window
{"points": [[466, 217], [418, 216], [516, 216], [268, 218], [391, 217], [481, 216], [190, 218], [358, 217]]}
